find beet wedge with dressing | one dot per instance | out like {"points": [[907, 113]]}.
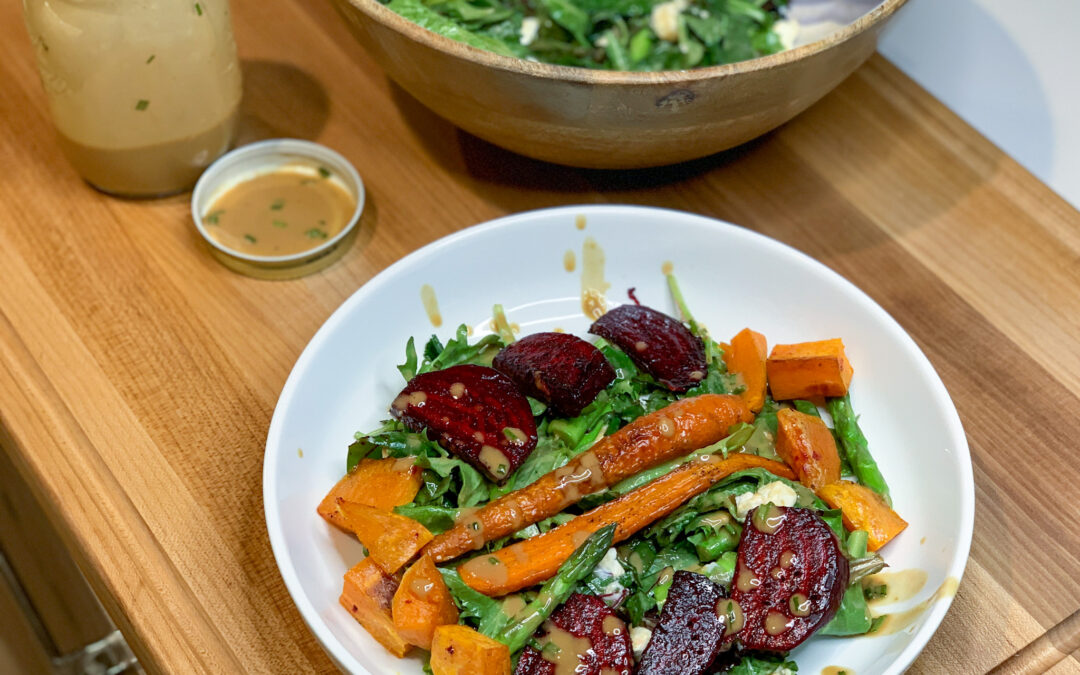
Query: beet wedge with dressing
{"points": [[658, 344], [673, 431], [790, 577], [592, 640], [559, 369], [475, 412], [691, 631]]}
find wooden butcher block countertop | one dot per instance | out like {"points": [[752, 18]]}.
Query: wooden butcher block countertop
{"points": [[138, 375]]}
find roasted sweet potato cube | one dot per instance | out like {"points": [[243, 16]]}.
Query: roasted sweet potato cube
{"points": [[746, 357], [379, 483], [368, 595], [460, 650], [809, 370], [863, 509], [391, 540], [422, 603], [808, 447]]}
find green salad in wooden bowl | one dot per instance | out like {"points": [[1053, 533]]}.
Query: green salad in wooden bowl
{"points": [[611, 34]]}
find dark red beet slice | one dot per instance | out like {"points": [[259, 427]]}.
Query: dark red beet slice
{"points": [[475, 412], [790, 577], [559, 369], [532, 663], [657, 343], [690, 634], [587, 629]]}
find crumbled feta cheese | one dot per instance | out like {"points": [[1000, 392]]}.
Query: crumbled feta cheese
{"points": [[782, 670], [639, 640], [530, 27], [777, 492], [664, 19], [609, 565], [786, 31]]}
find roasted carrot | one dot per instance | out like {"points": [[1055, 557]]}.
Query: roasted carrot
{"points": [[379, 483], [678, 429], [533, 560], [807, 446], [809, 370], [391, 540], [746, 356], [864, 509]]}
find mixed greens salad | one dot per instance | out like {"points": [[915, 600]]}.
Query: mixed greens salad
{"points": [[644, 35], [633, 577]]}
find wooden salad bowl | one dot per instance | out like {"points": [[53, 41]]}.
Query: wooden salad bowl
{"points": [[609, 119]]}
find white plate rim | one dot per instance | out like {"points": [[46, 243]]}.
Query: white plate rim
{"points": [[336, 650]]}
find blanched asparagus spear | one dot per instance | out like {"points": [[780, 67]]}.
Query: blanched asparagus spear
{"points": [[855, 446], [558, 588]]}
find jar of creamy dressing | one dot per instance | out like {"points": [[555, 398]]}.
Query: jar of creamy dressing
{"points": [[143, 93]]}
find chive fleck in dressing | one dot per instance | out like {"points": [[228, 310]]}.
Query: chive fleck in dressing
{"points": [[285, 212]]}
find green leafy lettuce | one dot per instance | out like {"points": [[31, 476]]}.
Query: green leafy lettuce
{"points": [[644, 35]]}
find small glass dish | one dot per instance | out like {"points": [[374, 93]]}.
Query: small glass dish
{"points": [[265, 157]]}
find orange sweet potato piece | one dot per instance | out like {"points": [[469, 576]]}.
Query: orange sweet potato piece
{"points": [[460, 650], [746, 356], [808, 447], [863, 509], [381, 483], [809, 370], [368, 595], [422, 603], [391, 540]]}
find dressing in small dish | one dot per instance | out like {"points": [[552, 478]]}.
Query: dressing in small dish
{"points": [[290, 210], [278, 209]]}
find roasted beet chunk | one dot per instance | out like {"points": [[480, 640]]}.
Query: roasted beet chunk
{"points": [[559, 369], [657, 343], [790, 577], [475, 412], [584, 636], [691, 629], [532, 663]]}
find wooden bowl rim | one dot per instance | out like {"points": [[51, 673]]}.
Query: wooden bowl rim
{"points": [[394, 21]]}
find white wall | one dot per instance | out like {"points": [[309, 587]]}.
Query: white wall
{"points": [[1010, 68]]}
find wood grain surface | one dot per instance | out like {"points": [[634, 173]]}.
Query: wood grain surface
{"points": [[138, 376], [69, 613], [20, 651]]}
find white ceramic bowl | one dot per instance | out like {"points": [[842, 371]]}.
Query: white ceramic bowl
{"points": [[731, 278]]}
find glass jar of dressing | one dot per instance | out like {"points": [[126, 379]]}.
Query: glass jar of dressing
{"points": [[143, 93]]}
